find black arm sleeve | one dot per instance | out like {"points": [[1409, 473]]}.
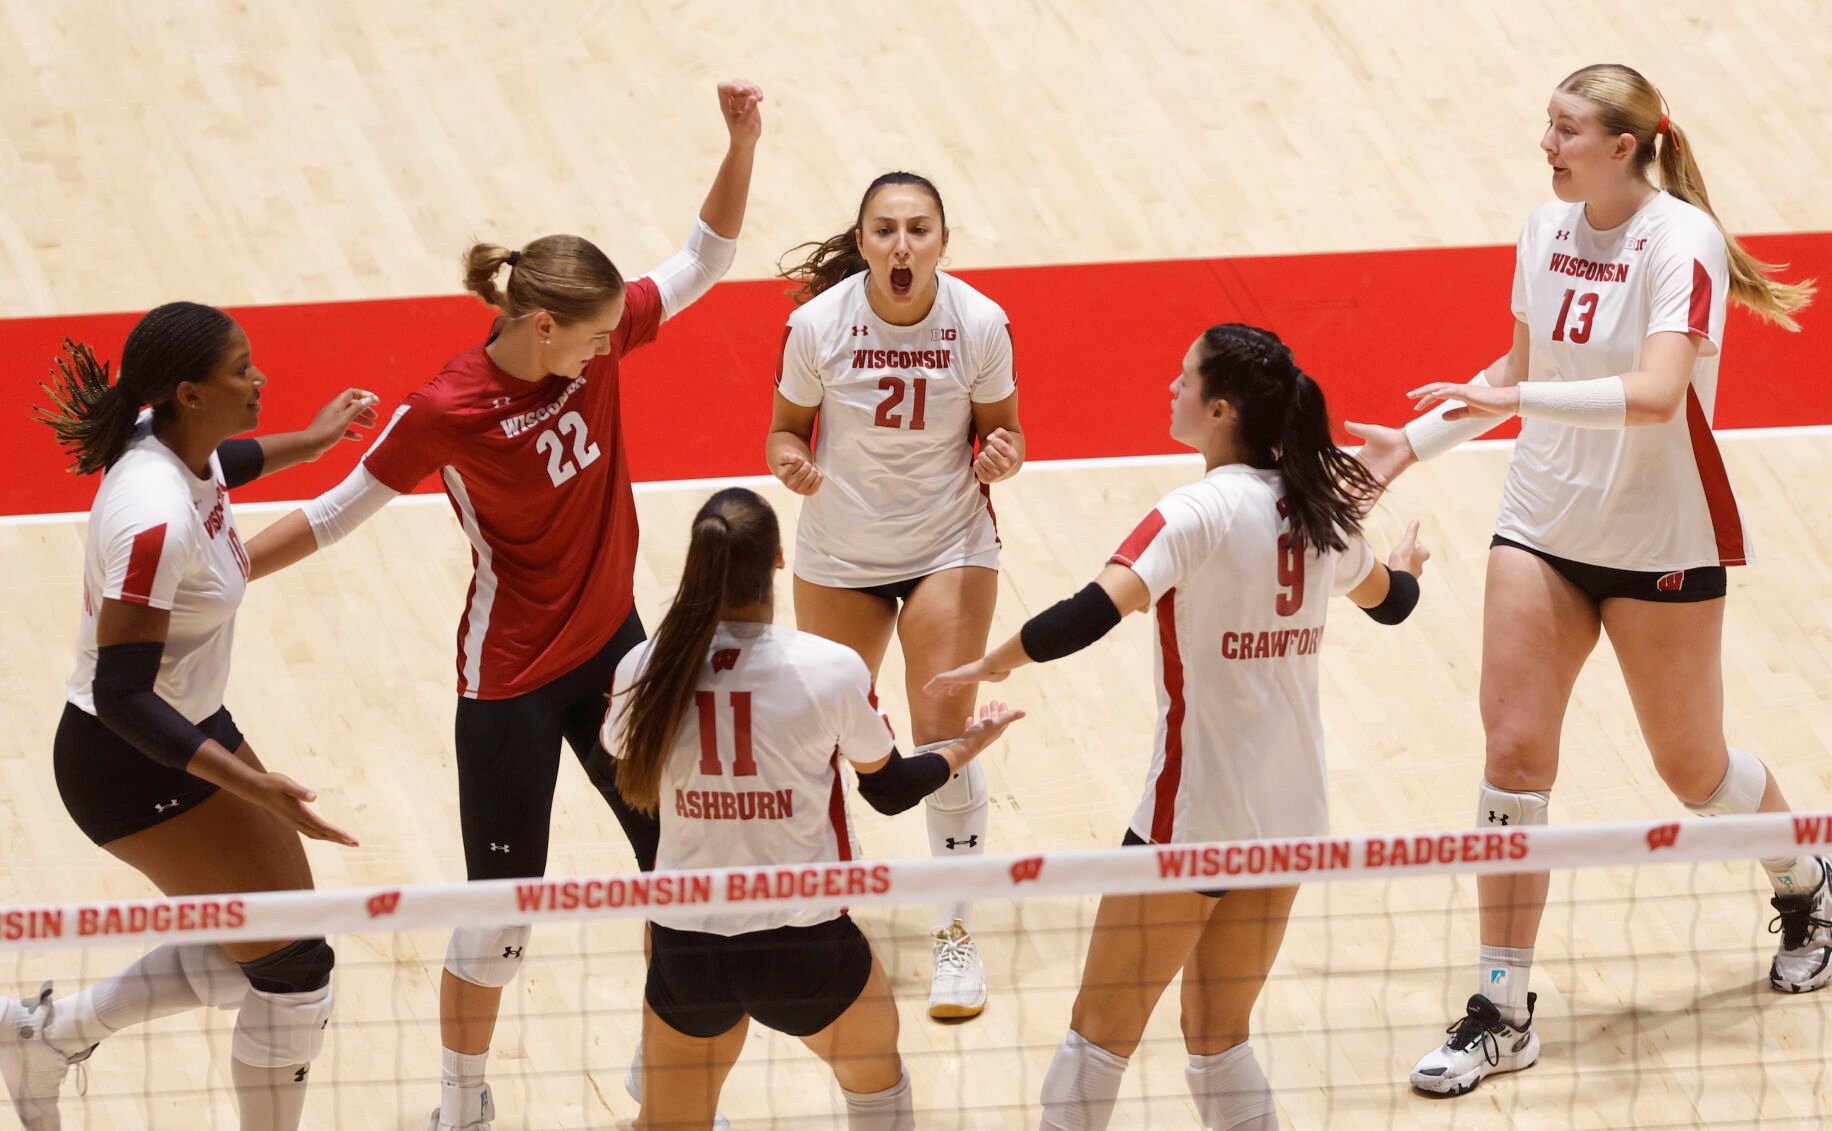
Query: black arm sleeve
{"points": [[901, 782], [242, 461], [1069, 625], [127, 704], [1402, 598]]}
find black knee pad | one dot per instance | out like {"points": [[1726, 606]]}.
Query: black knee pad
{"points": [[300, 968]]}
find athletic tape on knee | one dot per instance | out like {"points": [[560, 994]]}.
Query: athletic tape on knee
{"points": [[1497, 807], [487, 956], [1745, 781], [212, 975], [281, 1030], [1231, 1091]]}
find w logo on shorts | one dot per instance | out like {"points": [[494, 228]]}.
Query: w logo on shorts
{"points": [[1671, 582]]}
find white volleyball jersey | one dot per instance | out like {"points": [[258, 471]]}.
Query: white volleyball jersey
{"points": [[895, 438], [1650, 497], [754, 774], [160, 536], [1239, 604]]}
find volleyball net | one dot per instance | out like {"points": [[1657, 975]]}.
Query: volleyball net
{"points": [[1651, 970]]}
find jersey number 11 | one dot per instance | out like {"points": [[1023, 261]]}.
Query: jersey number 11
{"points": [[743, 765]]}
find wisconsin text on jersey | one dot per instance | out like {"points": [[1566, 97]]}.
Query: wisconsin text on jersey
{"points": [[901, 359], [525, 421], [1587, 269]]}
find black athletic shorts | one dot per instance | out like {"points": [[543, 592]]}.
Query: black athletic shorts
{"points": [[896, 592], [796, 980], [111, 789], [1599, 583], [1134, 840], [509, 760]]}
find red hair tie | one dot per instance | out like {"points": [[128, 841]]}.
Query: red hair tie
{"points": [[1664, 123]]}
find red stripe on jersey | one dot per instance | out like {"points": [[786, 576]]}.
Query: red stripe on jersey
{"points": [[1726, 522], [1139, 539], [143, 565], [780, 351], [836, 808], [1164, 811], [986, 493], [1698, 319]]}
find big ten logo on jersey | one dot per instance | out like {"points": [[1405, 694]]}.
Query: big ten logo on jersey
{"points": [[943, 334]]}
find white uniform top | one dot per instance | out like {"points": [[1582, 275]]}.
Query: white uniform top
{"points": [[1651, 497], [1239, 606], [895, 438], [160, 536], [753, 777]]}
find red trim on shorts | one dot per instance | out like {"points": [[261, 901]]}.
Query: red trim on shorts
{"points": [[1698, 319], [1140, 538], [1164, 810], [143, 565], [1726, 522], [836, 808]]}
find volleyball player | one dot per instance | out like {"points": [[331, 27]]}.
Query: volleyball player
{"points": [[1617, 516], [905, 367], [149, 762], [1241, 564], [731, 730], [525, 432]]}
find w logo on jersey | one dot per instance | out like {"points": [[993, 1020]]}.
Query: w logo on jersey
{"points": [[725, 659]]}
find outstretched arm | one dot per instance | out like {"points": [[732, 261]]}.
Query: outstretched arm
{"points": [[1064, 628], [245, 460]]}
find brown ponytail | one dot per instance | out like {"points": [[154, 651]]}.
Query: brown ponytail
{"points": [[835, 258], [566, 276], [93, 420], [731, 563], [1627, 103]]}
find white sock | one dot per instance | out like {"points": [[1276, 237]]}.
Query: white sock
{"points": [[1502, 974], [167, 980], [893, 1109], [1231, 1092], [1796, 875], [1081, 1086], [462, 1094], [269, 1099], [956, 815]]}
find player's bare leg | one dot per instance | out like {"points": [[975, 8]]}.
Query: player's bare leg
{"points": [[1221, 981]]}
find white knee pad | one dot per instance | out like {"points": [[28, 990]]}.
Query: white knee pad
{"points": [[1231, 1091], [212, 975], [281, 1030], [487, 956], [1745, 781], [1497, 807], [956, 812]]}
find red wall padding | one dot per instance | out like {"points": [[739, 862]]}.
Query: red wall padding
{"points": [[1098, 345]]}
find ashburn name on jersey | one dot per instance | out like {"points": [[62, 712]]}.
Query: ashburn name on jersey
{"points": [[1587, 269], [522, 422], [745, 805], [901, 359]]}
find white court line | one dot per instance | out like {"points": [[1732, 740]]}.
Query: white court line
{"points": [[662, 486]]}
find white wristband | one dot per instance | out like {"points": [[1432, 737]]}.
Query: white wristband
{"points": [[1431, 435], [1598, 403]]}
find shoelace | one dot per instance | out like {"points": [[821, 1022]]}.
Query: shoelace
{"points": [[953, 955], [1469, 1030], [1794, 926]]}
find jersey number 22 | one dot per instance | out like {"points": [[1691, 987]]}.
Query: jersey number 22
{"points": [[559, 467]]}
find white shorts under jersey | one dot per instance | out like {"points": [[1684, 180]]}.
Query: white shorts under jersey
{"points": [[1239, 605], [754, 774], [160, 536], [1650, 497], [895, 438]]}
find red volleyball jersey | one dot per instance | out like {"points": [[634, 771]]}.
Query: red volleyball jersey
{"points": [[537, 476]]}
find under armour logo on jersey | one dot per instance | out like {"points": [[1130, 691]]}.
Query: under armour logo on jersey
{"points": [[1497, 818], [861, 331], [498, 402], [299, 1076], [725, 659], [512, 952], [162, 806], [494, 847], [971, 842], [1563, 235]]}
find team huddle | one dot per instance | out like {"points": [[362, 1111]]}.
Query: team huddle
{"points": [[894, 413]]}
